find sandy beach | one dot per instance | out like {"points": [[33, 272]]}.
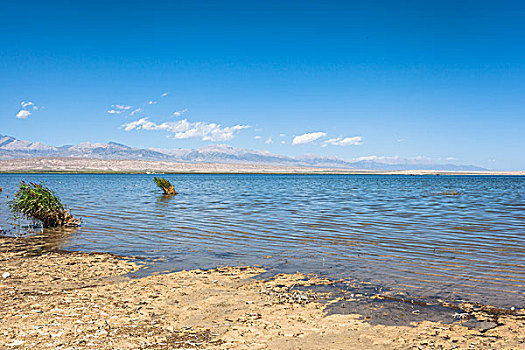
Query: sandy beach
{"points": [[75, 300]]}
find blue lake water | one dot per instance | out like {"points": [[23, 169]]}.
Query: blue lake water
{"points": [[399, 232]]}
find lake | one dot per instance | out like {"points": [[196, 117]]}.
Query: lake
{"points": [[398, 232]]}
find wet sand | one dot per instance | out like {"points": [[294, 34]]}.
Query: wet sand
{"points": [[74, 300]]}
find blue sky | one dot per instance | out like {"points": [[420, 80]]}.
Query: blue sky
{"points": [[438, 80]]}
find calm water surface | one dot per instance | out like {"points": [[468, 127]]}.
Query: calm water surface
{"points": [[395, 231]]}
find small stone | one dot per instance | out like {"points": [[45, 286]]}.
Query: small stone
{"points": [[6, 275], [15, 343]]}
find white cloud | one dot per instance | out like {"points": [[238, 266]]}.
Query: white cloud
{"points": [[282, 135], [26, 109], [142, 123], [400, 140], [308, 137], [164, 94], [23, 114], [28, 104], [135, 111], [347, 141], [183, 129], [269, 141], [283, 142], [152, 102], [258, 137], [122, 107], [179, 113], [117, 109]]}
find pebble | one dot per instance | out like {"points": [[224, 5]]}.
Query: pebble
{"points": [[6, 275], [15, 343]]}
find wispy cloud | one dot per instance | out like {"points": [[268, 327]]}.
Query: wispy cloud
{"points": [[258, 137], [152, 102], [268, 141], [282, 135], [118, 109], [164, 94], [183, 129], [179, 113], [28, 104], [135, 111], [122, 107], [347, 141], [27, 109], [308, 137]]}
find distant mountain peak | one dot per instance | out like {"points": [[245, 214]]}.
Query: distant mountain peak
{"points": [[11, 148]]}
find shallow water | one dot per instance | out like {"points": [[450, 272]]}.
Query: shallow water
{"points": [[398, 232]]}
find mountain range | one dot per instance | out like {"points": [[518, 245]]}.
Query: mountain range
{"points": [[12, 148]]}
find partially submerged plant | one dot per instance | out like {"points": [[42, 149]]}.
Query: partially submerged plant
{"points": [[165, 185], [450, 193], [37, 202]]}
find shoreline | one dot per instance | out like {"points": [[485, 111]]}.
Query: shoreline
{"points": [[122, 166], [91, 300]]}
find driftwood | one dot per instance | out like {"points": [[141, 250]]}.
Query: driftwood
{"points": [[170, 191]]}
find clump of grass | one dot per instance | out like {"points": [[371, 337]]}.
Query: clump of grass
{"points": [[165, 185], [38, 203], [450, 193]]}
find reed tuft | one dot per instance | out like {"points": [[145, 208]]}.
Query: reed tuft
{"points": [[165, 185], [450, 193], [39, 203]]}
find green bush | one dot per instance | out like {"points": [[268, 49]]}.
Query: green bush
{"points": [[165, 185], [37, 202]]}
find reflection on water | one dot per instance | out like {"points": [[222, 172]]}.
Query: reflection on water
{"points": [[396, 231]]}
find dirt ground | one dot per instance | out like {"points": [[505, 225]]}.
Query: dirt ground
{"points": [[73, 300]]}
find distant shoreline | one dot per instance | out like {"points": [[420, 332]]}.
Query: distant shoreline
{"points": [[49, 165], [73, 172]]}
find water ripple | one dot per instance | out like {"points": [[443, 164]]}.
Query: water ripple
{"points": [[396, 230]]}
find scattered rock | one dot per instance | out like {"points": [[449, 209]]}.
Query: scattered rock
{"points": [[15, 343]]}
